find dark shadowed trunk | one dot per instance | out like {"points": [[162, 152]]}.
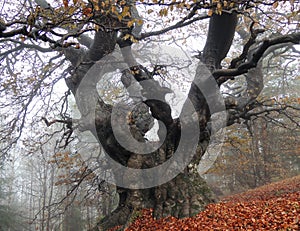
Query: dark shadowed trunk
{"points": [[187, 193]]}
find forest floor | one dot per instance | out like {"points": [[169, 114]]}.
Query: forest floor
{"points": [[274, 206]]}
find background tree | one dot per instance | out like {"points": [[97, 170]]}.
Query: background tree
{"points": [[10, 207], [45, 42], [265, 149]]}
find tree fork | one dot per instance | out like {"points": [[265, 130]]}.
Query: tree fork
{"points": [[187, 194]]}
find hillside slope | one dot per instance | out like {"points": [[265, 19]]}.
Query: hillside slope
{"points": [[271, 207]]}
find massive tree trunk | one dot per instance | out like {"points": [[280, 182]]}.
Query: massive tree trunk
{"points": [[184, 196], [187, 193]]}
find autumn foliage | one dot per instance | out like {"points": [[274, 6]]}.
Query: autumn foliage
{"points": [[271, 207]]}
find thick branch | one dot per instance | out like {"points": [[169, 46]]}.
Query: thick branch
{"points": [[150, 88], [85, 40], [257, 55], [104, 43], [219, 39], [250, 42]]}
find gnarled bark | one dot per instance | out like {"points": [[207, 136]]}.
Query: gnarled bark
{"points": [[184, 196]]}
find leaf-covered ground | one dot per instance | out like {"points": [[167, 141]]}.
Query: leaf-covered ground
{"points": [[272, 207]]}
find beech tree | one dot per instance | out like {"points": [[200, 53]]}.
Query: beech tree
{"points": [[44, 42]]}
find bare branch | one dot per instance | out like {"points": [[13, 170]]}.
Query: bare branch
{"points": [[225, 74], [184, 22]]}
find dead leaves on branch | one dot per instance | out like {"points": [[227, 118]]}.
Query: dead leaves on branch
{"points": [[82, 16], [271, 207], [120, 7], [71, 169]]}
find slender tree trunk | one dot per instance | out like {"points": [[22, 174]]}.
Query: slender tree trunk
{"points": [[51, 184]]}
